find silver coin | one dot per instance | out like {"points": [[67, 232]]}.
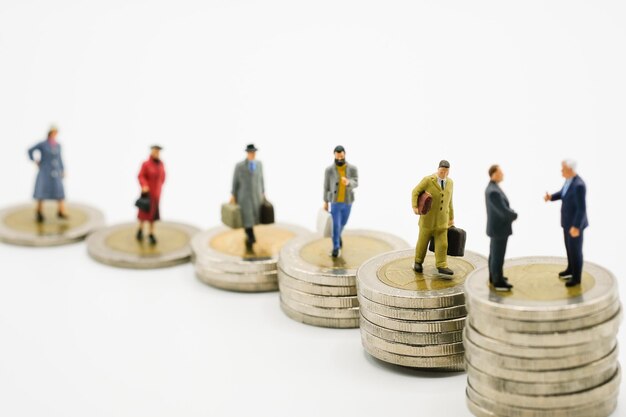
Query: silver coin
{"points": [[592, 395], [18, 225], [557, 352], [303, 286], [319, 300], [223, 278], [426, 314], [117, 246], [334, 323], [503, 360], [575, 337], [476, 377], [384, 279], [481, 406], [415, 326], [411, 350], [486, 365], [217, 247], [308, 258], [240, 286], [452, 363], [333, 313], [545, 299], [411, 338]]}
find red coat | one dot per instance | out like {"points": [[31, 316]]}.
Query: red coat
{"points": [[152, 175]]}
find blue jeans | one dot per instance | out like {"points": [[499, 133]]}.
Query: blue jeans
{"points": [[340, 213]]}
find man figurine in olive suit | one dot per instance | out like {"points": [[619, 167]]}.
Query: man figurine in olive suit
{"points": [[499, 219], [340, 180], [436, 222], [249, 192]]}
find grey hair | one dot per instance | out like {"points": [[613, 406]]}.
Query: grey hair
{"points": [[571, 164]]}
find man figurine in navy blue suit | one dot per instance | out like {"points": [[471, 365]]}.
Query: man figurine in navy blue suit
{"points": [[573, 221], [499, 219]]}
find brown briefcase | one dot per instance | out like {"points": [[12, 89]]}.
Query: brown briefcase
{"points": [[424, 202]]}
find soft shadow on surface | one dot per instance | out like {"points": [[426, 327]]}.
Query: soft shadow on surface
{"points": [[408, 371]]}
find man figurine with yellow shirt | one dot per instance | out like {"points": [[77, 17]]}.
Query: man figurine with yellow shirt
{"points": [[436, 222], [340, 180]]}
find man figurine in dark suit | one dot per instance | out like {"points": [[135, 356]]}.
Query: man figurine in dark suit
{"points": [[499, 219], [573, 221]]}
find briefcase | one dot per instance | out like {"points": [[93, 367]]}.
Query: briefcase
{"points": [[456, 242], [231, 215], [143, 202], [424, 202], [267, 213], [324, 223]]}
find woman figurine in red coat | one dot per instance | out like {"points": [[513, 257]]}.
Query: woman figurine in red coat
{"points": [[151, 178]]}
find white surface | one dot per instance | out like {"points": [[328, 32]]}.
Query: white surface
{"points": [[400, 84]]}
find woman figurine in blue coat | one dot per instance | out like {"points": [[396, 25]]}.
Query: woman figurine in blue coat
{"points": [[49, 183]]}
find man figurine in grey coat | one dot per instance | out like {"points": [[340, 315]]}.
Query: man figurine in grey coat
{"points": [[249, 192], [499, 219], [49, 183], [340, 180]]}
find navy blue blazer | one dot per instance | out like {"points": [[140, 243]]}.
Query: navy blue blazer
{"points": [[499, 213], [574, 206]]}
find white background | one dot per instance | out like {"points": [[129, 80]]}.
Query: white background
{"points": [[400, 84]]}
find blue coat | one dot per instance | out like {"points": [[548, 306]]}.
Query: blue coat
{"points": [[49, 183], [573, 207]]}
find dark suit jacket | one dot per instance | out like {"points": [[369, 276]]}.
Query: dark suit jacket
{"points": [[499, 214], [574, 206]]}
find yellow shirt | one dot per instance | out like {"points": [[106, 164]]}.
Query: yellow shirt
{"points": [[341, 191]]}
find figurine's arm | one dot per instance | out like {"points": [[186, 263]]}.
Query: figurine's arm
{"points": [[581, 206], [61, 162], [235, 188], [143, 180], [451, 213], [262, 178], [163, 178], [31, 153], [354, 179], [499, 206], [326, 186], [555, 196]]}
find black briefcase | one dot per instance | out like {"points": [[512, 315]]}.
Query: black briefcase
{"points": [[456, 242], [267, 213], [143, 202]]}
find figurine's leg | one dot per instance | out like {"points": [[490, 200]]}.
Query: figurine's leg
{"points": [[139, 235], [568, 250], [151, 238], [576, 263], [336, 212], [441, 247], [39, 210], [497, 250], [61, 209], [422, 244]]}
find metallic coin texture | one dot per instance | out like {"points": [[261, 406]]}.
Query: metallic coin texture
{"points": [[336, 323]]}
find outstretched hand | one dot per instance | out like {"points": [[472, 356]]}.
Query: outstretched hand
{"points": [[547, 197]]}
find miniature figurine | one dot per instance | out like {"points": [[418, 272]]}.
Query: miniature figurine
{"points": [[340, 180], [439, 218], [573, 220], [499, 219], [151, 178], [49, 183], [249, 192]]}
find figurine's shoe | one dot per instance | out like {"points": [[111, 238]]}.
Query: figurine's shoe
{"points": [[249, 244], [565, 275], [418, 268], [62, 216], [502, 285], [39, 217], [152, 239], [572, 283], [139, 235], [445, 271], [335, 253]]}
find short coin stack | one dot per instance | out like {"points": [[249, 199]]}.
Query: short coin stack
{"points": [[222, 260], [543, 349], [414, 319], [320, 290]]}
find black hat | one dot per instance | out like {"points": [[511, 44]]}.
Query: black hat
{"points": [[339, 148], [251, 148], [156, 147], [444, 164]]}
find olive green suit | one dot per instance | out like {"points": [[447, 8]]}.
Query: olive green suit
{"points": [[436, 222]]}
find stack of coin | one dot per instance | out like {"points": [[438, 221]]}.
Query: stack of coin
{"points": [[542, 349], [320, 290], [223, 260], [414, 319]]}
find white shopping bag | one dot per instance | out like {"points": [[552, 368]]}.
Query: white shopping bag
{"points": [[324, 223]]}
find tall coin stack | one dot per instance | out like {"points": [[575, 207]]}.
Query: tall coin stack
{"points": [[222, 260], [320, 290], [542, 349], [414, 319]]}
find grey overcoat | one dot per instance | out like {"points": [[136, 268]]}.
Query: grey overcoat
{"points": [[248, 189], [331, 183]]}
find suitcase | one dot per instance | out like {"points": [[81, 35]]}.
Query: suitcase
{"points": [[456, 242], [424, 202], [231, 215], [267, 213], [324, 223]]}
